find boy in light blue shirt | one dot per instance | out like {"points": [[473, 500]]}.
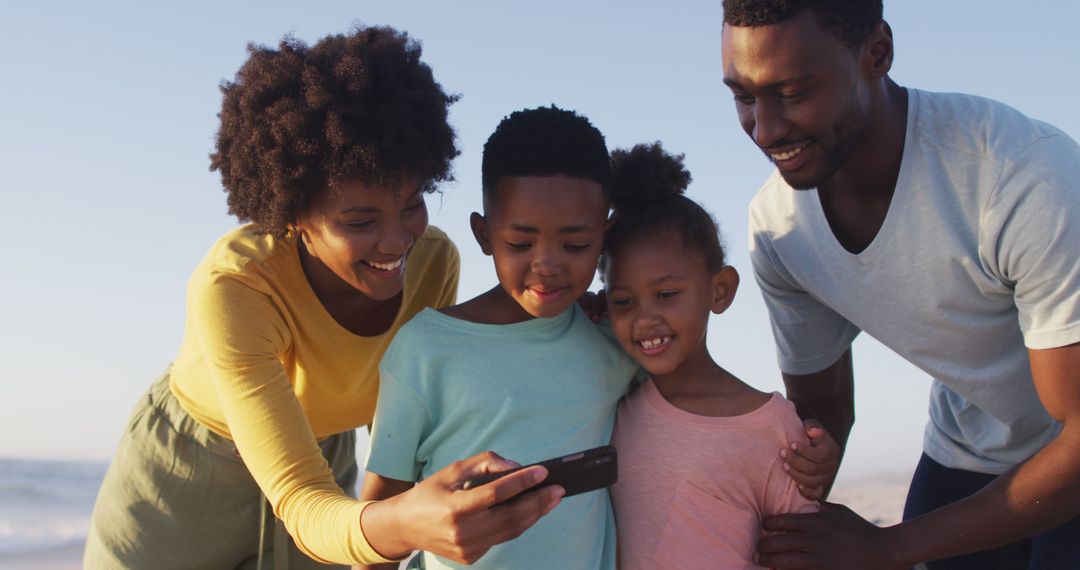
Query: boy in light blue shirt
{"points": [[520, 369]]}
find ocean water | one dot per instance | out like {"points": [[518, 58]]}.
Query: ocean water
{"points": [[45, 505]]}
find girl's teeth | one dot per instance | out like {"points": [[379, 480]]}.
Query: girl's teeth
{"points": [[654, 342]]}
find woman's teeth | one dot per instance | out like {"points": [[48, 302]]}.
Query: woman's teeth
{"points": [[385, 266]]}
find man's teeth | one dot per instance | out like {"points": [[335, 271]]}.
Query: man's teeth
{"points": [[654, 342], [385, 266], [786, 155]]}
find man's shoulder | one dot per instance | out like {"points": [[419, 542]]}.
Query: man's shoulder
{"points": [[977, 126], [773, 204]]}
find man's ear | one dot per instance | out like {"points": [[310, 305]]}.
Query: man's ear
{"points": [[878, 51], [724, 285], [480, 232]]}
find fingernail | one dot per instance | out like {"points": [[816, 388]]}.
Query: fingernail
{"points": [[787, 467], [783, 453], [794, 447], [538, 476]]}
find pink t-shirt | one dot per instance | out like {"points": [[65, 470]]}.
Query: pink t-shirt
{"points": [[692, 490]]}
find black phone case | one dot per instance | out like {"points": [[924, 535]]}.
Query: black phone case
{"points": [[577, 473]]}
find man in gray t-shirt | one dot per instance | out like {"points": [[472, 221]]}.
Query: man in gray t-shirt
{"points": [[946, 226]]}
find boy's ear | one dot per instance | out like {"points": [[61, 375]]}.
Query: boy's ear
{"points": [[724, 285], [480, 232]]}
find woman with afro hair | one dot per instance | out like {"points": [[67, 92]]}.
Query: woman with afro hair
{"points": [[327, 151]]}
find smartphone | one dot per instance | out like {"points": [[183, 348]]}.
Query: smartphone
{"points": [[578, 473]]}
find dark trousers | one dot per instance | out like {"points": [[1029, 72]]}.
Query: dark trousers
{"points": [[935, 485]]}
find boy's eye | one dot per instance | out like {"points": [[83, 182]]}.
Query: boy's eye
{"points": [[361, 225], [618, 302], [518, 246], [576, 248], [667, 294]]}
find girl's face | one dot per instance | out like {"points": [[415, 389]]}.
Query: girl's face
{"points": [[360, 237], [659, 296]]}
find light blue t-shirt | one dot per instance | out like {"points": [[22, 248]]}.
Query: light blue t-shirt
{"points": [[528, 391]]}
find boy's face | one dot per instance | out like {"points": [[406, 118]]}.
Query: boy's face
{"points": [[545, 233], [660, 296]]}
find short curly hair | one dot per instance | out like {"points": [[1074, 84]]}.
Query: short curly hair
{"points": [[544, 141], [298, 120], [647, 185], [850, 20]]}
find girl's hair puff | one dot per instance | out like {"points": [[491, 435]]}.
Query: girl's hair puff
{"points": [[647, 186]]}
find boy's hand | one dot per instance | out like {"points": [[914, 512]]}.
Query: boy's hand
{"points": [[594, 305], [813, 466]]}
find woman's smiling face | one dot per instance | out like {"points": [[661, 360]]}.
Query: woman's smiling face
{"points": [[363, 235]]}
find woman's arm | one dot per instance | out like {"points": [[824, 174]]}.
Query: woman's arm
{"points": [[439, 517], [376, 488]]}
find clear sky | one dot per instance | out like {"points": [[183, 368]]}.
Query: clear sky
{"points": [[108, 112]]}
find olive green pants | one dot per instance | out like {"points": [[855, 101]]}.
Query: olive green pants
{"points": [[178, 496]]}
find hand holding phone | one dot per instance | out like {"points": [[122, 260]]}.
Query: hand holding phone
{"points": [[577, 473]]}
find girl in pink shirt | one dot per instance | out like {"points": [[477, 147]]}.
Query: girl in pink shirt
{"points": [[698, 467]]}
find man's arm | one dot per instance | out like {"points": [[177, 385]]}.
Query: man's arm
{"points": [[827, 396], [1033, 497]]}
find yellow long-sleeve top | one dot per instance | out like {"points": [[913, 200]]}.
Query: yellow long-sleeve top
{"points": [[264, 364]]}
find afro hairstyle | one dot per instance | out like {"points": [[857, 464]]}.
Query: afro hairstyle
{"points": [[298, 120]]}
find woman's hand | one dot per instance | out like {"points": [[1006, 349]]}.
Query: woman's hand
{"points": [[438, 517], [813, 466]]}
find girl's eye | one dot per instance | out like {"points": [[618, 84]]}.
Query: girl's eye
{"points": [[667, 294], [577, 248], [619, 302], [517, 246], [414, 207]]}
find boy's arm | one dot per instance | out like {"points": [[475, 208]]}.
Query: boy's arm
{"points": [[376, 488]]}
